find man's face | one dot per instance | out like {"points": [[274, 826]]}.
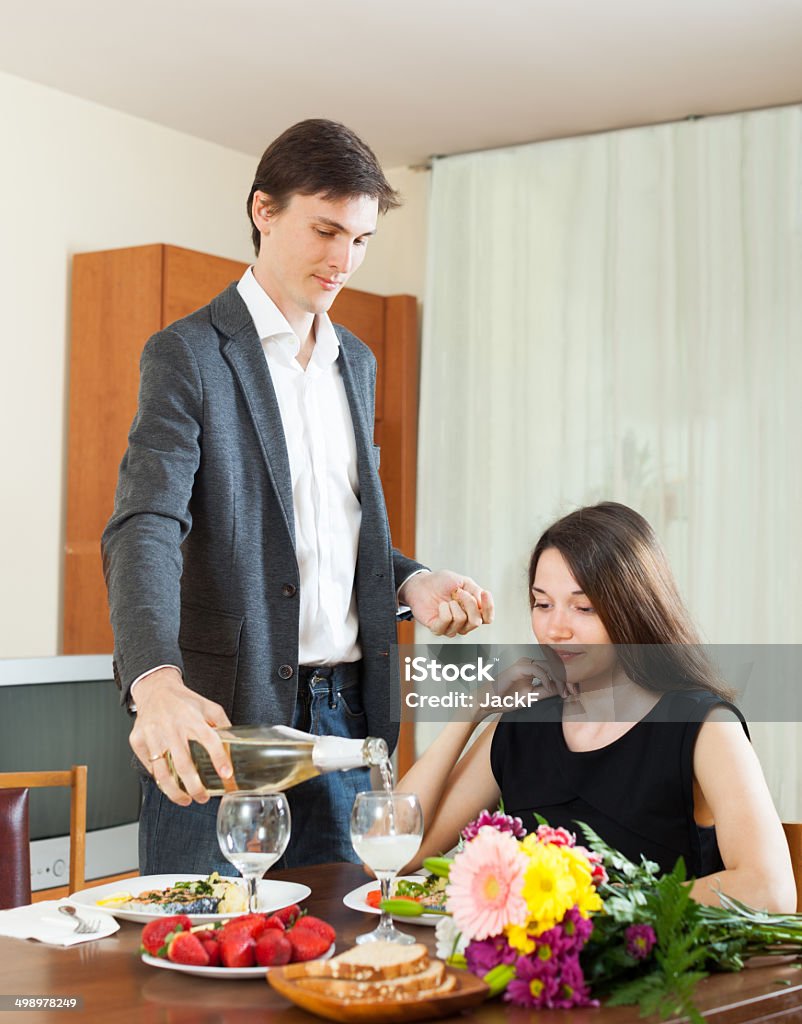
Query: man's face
{"points": [[310, 249]]}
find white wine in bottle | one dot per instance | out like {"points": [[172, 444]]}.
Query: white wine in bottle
{"points": [[270, 759]]}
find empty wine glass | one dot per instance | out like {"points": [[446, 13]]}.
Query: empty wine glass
{"points": [[386, 831], [253, 832]]}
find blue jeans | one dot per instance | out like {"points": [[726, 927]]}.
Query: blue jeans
{"points": [[175, 839]]}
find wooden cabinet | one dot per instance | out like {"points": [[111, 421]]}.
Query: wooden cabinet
{"points": [[120, 298]]}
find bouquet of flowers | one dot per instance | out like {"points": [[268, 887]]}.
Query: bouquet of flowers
{"points": [[553, 925]]}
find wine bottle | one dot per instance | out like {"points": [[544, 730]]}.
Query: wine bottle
{"points": [[269, 759]]}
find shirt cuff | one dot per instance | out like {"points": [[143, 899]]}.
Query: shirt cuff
{"points": [[404, 611], [150, 671]]}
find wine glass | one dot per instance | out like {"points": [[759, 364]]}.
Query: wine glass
{"points": [[386, 831], [253, 832]]}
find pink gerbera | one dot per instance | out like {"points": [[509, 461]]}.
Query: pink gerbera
{"points": [[485, 885]]}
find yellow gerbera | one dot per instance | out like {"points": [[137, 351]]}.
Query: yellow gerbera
{"points": [[585, 897], [549, 884]]}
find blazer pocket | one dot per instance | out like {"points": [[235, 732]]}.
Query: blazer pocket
{"points": [[210, 644]]}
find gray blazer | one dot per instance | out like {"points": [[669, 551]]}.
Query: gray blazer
{"points": [[199, 555]]}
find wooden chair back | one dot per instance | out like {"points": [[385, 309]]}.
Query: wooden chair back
{"points": [[75, 780], [15, 854], [793, 833]]}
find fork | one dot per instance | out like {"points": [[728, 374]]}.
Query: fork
{"points": [[82, 927]]}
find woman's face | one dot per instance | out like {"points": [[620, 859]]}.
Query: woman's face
{"points": [[567, 627]]}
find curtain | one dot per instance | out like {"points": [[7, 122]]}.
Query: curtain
{"points": [[619, 317]]}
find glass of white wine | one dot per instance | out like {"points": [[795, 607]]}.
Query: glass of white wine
{"points": [[386, 831], [253, 831]]}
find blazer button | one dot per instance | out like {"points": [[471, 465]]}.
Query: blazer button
{"points": [[289, 590], [285, 671]]}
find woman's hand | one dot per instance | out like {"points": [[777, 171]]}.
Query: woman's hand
{"points": [[523, 676]]}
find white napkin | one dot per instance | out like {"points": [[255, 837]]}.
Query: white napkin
{"points": [[43, 921]]}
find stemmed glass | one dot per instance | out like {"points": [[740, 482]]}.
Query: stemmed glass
{"points": [[386, 831], [253, 832]]}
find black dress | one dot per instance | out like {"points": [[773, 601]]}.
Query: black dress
{"points": [[636, 792]]}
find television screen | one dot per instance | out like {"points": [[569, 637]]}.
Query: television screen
{"points": [[54, 725]]}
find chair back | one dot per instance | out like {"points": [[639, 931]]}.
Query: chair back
{"points": [[15, 853], [75, 780], [793, 833]]}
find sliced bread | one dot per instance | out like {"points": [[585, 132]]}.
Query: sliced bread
{"points": [[403, 987], [375, 961]]}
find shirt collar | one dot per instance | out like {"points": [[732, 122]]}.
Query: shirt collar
{"points": [[275, 332]]}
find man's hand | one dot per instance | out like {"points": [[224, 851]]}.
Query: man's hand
{"points": [[447, 603], [169, 714]]}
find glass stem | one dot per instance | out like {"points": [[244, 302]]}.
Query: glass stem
{"points": [[253, 899], [385, 921]]}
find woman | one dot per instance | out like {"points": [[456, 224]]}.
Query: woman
{"points": [[644, 746]]}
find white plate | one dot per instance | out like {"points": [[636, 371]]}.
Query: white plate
{"points": [[273, 895], [217, 972], [355, 900]]}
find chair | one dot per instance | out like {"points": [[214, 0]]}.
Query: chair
{"points": [[15, 834], [15, 859], [793, 834]]}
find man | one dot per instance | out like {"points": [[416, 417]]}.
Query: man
{"points": [[248, 560]]}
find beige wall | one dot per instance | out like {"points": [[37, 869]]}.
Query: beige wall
{"points": [[79, 177]]}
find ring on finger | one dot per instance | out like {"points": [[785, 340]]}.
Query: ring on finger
{"points": [[157, 757]]}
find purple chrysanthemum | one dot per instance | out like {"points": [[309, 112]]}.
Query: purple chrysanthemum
{"points": [[573, 989], [535, 983], [640, 940], [485, 954], [497, 820], [576, 930], [552, 944]]}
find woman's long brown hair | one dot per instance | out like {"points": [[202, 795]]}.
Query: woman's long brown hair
{"points": [[617, 560]]}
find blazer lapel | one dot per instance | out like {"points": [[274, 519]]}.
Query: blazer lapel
{"points": [[357, 378], [243, 352]]}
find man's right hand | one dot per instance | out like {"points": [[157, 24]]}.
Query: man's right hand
{"points": [[169, 714]]}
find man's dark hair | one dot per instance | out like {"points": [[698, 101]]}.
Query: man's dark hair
{"points": [[319, 157]]}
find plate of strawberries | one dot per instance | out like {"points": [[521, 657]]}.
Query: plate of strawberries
{"points": [[242, 947]]}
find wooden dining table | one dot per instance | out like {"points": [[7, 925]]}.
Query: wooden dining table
{"points": [[115, 986]]}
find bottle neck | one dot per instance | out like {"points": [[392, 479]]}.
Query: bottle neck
{"points": [[337, 753]]}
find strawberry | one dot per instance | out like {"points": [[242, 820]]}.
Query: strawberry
{"points": [[155, 933], [212, 947], [287, 914], [253, 924], [205, 933], [306, 944], [237, 949], [319, 927], [187, 948], [274, 921], [273, 948]]}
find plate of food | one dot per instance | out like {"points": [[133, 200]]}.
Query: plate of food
{"points": [[246, 946], [426, 890], [203, 898]]}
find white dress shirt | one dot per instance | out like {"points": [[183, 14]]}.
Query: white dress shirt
{"points": [[321, 447]]}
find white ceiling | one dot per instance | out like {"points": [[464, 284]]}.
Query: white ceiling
{"points": [[416, 78]]}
